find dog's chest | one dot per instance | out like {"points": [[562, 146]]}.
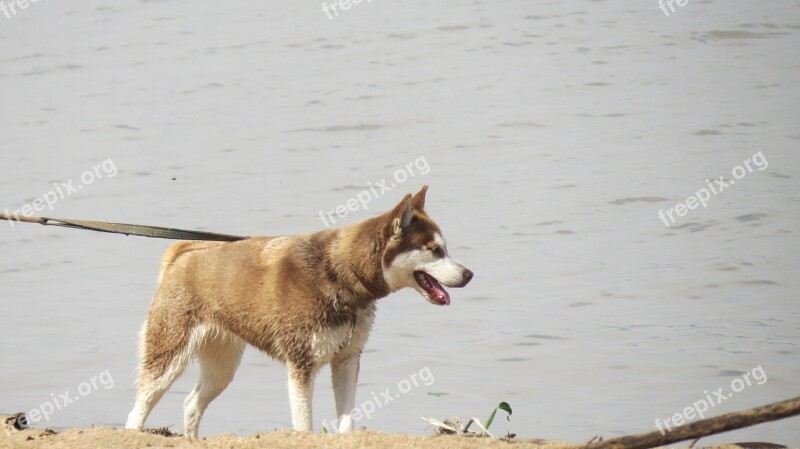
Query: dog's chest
{"points": [[350, 337]]}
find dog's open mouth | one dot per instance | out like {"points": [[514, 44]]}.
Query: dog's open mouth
{"points": [[436, 294]]}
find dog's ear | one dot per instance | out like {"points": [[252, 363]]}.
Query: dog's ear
{"points": [[419, 198], [401, 215]]}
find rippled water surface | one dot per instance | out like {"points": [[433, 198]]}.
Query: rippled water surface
{"points": [[552, 132]]}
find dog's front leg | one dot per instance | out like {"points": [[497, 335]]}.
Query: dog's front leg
{"points": [[301, 390], [344, 374]]}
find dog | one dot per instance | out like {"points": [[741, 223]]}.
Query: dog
{"points": [[305, 300]]}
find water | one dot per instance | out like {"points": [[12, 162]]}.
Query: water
{"points": [[553, 134]]}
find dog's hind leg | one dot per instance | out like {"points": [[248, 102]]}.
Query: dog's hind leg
{"points": [[161, 363], [219, 353], [301, 391]]}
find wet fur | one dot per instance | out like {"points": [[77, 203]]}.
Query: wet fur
{"points": [[305, 300]]}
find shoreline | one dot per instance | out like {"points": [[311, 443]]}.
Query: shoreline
{"points": [[103, 437]]}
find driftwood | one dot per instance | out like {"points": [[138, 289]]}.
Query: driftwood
{"points": [[704, 427]]}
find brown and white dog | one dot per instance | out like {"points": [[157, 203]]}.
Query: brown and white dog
{"points": [[305, 300]]}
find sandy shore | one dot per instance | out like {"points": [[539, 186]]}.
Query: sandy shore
{"points": [[109, 437]]}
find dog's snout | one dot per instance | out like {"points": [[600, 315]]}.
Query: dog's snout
{"points": [[466, 277]]}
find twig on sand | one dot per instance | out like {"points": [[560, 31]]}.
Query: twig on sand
{"points": [[454, 427], [483, 429], [704, 427], [445, 428]]}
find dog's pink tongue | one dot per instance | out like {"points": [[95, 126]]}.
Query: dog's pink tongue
{"points": [[437, 291]]}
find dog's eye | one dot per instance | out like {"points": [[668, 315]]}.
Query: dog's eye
{"points": [[437, 250]]}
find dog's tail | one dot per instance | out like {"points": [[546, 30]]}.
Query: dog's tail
{"points": [[177, 249]]}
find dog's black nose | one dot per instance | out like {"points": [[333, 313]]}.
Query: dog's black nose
{"points": [[467, 276]]}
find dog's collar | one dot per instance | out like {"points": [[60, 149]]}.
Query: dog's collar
{"points": [[369, 286]]}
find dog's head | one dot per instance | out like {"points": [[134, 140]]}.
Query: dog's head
{"points": [[416, 253]]}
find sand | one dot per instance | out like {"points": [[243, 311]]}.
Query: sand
{"points": [[110, 437]]}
